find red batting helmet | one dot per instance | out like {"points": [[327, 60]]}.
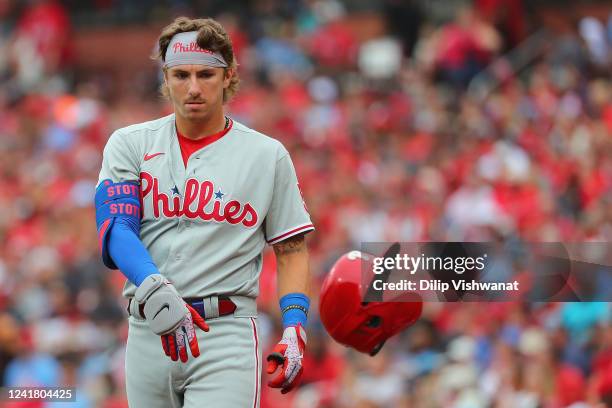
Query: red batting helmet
{"points": [[365, 326]]}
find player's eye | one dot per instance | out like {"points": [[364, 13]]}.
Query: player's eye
{"points": [[206, 74], [180, 75]]}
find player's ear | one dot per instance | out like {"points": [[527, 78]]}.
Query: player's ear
{"points": [[229, 73]]}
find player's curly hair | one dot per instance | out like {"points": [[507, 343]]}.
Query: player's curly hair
{"points": [[211, 36]]}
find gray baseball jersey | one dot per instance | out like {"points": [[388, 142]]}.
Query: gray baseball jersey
{"points": [[206, 225]]}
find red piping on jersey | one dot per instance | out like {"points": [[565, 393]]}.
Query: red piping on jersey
{"points": [[190, 146], [292, 232], [103, 229], [256, 363]]}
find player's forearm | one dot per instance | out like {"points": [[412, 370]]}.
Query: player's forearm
{"points": [[293, 272], [129, 253], [293, 281]]}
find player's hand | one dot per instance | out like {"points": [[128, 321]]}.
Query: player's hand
{"points": [[288, 354], [175, 343], [170, 317]]}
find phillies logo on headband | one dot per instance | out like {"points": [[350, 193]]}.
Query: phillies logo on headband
{"points": [[184, 49], [191, 47]]}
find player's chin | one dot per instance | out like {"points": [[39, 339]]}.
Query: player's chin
{"points": [[195, 108], [195, 113]]}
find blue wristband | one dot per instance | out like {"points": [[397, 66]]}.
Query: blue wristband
{"points": [[294, 309]]}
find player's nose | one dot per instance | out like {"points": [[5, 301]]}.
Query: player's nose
{"points": [[194, 86]]}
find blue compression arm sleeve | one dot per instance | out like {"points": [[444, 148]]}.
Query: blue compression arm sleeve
{"points": [[129, 254], [118, 223]]}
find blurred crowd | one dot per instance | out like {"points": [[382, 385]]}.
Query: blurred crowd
{"points": [[393, 139]]}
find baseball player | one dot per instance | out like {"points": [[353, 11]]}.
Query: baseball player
{"points": [[184, 207]]}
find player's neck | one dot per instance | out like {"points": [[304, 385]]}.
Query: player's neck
{"points": [[200, 129]]}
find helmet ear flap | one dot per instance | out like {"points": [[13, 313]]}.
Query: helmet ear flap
{"points": [[374, 322]]}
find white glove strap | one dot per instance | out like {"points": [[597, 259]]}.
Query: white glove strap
{"points": [[165, 311], [164, 308], [149, 286]]}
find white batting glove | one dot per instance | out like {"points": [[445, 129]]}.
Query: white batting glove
{"points": [[288, 354], [170, 317]]}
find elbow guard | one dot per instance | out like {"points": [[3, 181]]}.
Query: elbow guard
{"points": [[116, 201]]}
